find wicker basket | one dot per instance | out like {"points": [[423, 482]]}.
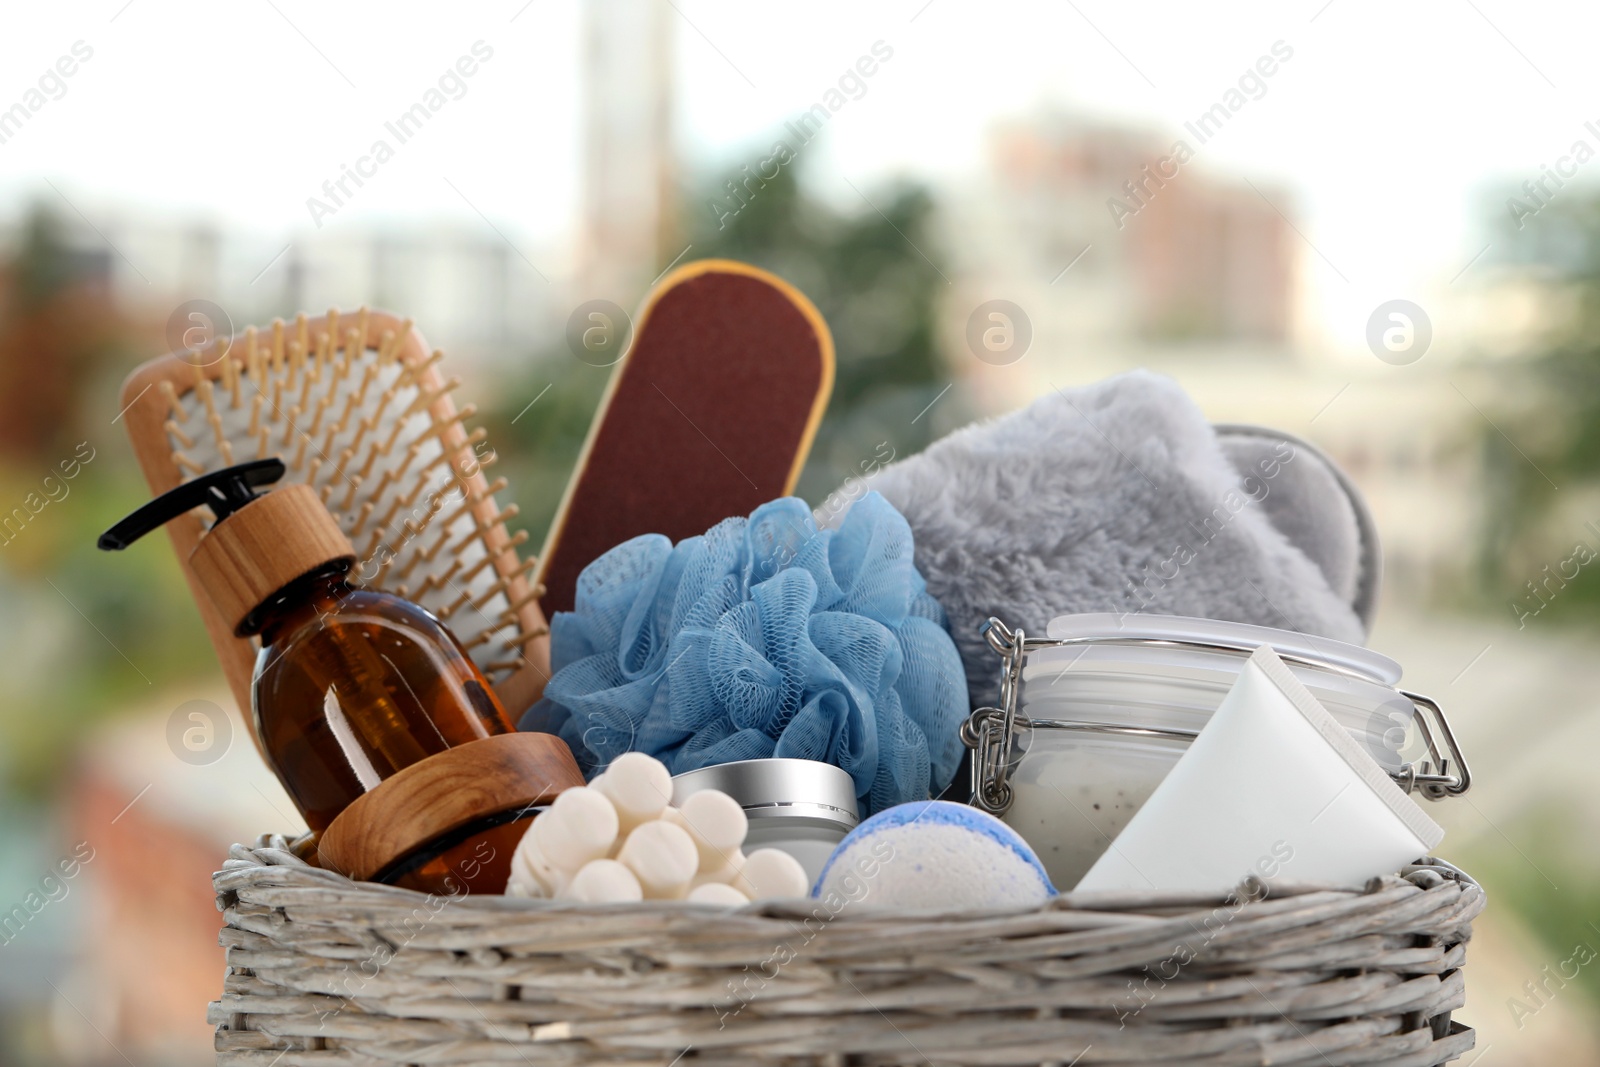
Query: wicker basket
{"points": [[322, 971]]}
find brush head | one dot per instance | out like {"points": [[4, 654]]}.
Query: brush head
{"points": [[357, 410]]}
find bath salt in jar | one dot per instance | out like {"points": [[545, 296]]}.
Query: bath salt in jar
{"points": [[1101, 709]]}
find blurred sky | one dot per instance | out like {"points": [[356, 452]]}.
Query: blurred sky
{"points": [[1390, 122]]}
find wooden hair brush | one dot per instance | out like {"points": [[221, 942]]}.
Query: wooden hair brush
{"points": [[356, 407]]}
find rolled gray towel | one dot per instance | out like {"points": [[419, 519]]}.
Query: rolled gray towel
{"points": [[1111, 497]]}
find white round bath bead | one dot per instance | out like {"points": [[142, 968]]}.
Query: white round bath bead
{"points": [[718, 825], [716, 893], [603, 882], [663, 857], [531, 874], [639, 786], [772, 872], [727, 874], [580, 826], [675, 817]]}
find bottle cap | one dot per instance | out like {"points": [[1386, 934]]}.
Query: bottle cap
{"points": [[258, 545], [264, 546]]}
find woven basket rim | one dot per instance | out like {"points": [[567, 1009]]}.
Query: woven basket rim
{"points": [[271, 853]]}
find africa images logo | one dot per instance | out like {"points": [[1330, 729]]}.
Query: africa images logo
{"points": [[1251, 85], [451, 85], [851, 85]]}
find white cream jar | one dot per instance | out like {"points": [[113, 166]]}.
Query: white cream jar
{"points": [[1105, 705]]}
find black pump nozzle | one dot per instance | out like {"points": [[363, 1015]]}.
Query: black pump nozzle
{"points": [[224, 492]]}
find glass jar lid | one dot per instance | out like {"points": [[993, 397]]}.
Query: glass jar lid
{"points": [[1103, 628]]}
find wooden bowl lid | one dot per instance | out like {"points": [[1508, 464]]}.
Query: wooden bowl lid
{"points": [[445, 792], [263, 547]]}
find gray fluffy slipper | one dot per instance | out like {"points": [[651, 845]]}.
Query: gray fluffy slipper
{"points": [[1121, 497]]}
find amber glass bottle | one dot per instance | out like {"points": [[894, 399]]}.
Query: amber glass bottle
{"points": [[353, 685], [382, 730]]}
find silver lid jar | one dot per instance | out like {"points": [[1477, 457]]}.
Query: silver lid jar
{"points": [[804, 807]]}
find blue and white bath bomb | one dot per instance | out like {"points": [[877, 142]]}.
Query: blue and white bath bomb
{"points": [[933, 855]]}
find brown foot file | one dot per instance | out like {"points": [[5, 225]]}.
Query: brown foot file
{"points": [[709, 414]]}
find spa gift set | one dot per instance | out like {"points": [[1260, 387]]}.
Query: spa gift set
{"points": [[1054, 743]]}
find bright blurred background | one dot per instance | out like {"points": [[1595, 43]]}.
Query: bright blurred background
{"points": [[1337, 155]]}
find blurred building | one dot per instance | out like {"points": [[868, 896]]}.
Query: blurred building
{"points": [[1120, 234], [1125, 252], [468, 289], [629, 173]]}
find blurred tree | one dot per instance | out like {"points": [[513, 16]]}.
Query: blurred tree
{"points": [[88, 635], [865, 273], [1555, 424], [538, 446], [58, 327], [1552, 882]]}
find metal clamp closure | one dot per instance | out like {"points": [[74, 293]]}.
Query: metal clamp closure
{"points": [[992, 732]]}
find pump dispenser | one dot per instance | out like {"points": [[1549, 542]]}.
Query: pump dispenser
{"points": [[379, 725]]}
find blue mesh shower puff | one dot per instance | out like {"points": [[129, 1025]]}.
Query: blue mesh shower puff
{"points": [[763, 637]]}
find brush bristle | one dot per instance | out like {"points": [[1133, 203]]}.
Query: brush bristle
{"points": [[354, 421]]}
